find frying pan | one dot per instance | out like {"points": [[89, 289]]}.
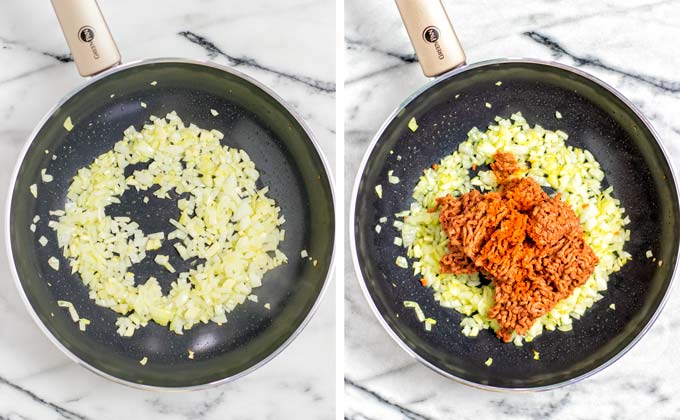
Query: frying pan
{"points": [[252, 118], [597, 118]]}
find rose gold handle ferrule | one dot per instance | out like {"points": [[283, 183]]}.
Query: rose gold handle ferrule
{"points": [[87, 35], [432, 35]]}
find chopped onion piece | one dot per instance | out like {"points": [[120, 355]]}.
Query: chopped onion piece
{"points": [[71, 309], [486, 104], [537, 355], [303, 253], [558, 115], [489, 361], [267, 306], [401, 262], [191, 354], [83, 323], [227, 226], [68, 124], [412, 124], [164, 261], [378, 228], [153, 244], [45, 176], [34, 190], [54, 263], [378, 190], [43, 241], [391, 178], [214, 113], [143, 361], [416, 307]]}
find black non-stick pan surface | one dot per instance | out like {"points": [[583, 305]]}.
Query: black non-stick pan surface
{"points": [[596, 119], [252, 120]]}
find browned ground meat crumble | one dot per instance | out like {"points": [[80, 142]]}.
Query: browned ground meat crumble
{"points": [[529, 244]]}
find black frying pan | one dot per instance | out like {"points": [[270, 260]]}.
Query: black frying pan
{"points": [[596, 118], [253, 119]]}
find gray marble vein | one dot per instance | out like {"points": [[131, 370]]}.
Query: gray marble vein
{"points": [[214, 51], [631, 45], [268, 40]]}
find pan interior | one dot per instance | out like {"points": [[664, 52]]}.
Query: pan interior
{"points": [[251, 120], [596, 120]]}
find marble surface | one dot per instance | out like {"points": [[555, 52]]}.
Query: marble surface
{"points": [[629, 44], [266, 39]]}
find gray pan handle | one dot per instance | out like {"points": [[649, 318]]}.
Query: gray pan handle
{"points": [[432, 36], [87, 35]]}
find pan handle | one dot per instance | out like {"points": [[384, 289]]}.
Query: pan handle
{"points": [[87, 35], [432, 36]]}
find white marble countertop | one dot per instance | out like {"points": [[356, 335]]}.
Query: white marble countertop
{"points": [[630, 44], [36, 380]]}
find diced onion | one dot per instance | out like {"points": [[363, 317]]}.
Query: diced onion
{"points": [[416, 307], [412, 124], [401, 262], [83, 323], [391, 178], [54, 263], [225, 221], [45, 176]]}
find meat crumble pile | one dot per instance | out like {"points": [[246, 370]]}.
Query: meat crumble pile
{"points": [[529, 244]]}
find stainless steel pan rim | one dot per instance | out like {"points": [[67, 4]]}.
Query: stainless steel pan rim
{"points": [[355, 191], [8, 205]]}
